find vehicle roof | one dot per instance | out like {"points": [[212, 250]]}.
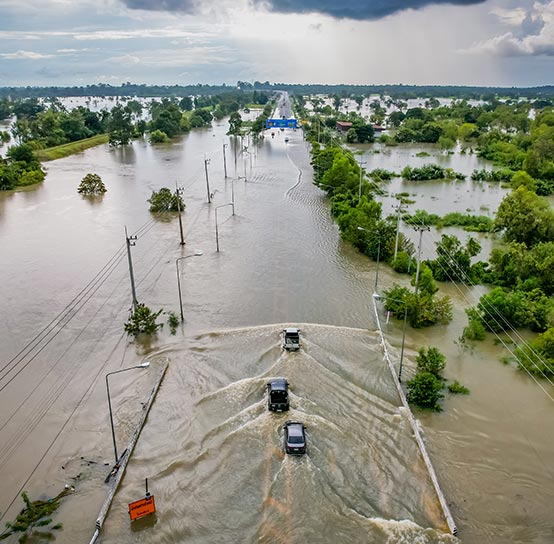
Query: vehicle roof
{"points": [[292, 330], [294, 424], [278, 383], [295, 429]]}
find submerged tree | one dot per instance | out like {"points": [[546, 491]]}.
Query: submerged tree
{"points": [[165, 200], [92, 184], [143, 321], [35, 515], [424, 390]]}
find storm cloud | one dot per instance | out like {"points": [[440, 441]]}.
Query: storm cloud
{"points": [[347, 9]]}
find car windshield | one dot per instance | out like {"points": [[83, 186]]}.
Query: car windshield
{"points": [[278, 395], [296, 440]]}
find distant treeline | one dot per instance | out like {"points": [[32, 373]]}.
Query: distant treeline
{"points": [[395, 91]]}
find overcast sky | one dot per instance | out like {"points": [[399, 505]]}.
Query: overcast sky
{"points": [[461, 42]]}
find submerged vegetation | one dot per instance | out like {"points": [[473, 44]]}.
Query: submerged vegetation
{"points": [[520, 145], [34, 519], [20, 168], [143, 321], [45, 130]]}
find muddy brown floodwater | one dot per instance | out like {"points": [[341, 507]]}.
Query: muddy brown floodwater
{"points": [[211, 451]]}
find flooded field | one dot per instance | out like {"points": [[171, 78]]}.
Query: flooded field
{"points": [[211, 451]]}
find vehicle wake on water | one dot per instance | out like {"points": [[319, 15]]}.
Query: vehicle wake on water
{"points": [[222, 473]]}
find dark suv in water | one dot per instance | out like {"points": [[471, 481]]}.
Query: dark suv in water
{"points": [[295, 438], [278, 395], [291, 339]]}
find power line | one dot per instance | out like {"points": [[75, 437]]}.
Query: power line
{"points": [[462, 273], [507, 324]]}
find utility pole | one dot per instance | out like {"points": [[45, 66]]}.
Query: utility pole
{"points": [[398, 211], [360, 188], [178, 193], [131, 242], [206, 162], [403, 340], [420, 229], [377, 268], [225, 160]]}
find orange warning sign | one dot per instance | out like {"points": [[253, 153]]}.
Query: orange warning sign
{"points": [[141, 508]]}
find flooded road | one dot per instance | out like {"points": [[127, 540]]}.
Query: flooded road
{"points": [[211, 451]]}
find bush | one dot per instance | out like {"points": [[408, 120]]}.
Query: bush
{"points": [[92, 184], [475, 329], [432, 361], [537, 357], [430, 172], [173, 321], [31, 177], [159, 137], [143, 321], [402, 262], [424, 390], [381, 174], [501, 176], [457, 388]]}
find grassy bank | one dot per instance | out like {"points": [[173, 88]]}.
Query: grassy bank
{"points": [[60, 151]]}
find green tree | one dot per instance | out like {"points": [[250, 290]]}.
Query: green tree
{"points": [[120, 126], [92, 184], [525, 217], [424, 390], [522, 178], [467, 131], [235, 123], [143, 321], [159, 137], [22, 153], [537, 357], [453, 262], [186, 103], [432, 361], [165, 200]]}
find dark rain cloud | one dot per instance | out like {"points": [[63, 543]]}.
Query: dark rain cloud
{"points": [[355, 9], [345, 9], [187, 6]]}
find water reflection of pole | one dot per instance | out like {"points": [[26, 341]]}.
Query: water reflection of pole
{"points": [[178, 197], [216, 226], [130, 240], [206, 162], [146, 364], [197, 254], [225, 160]]}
